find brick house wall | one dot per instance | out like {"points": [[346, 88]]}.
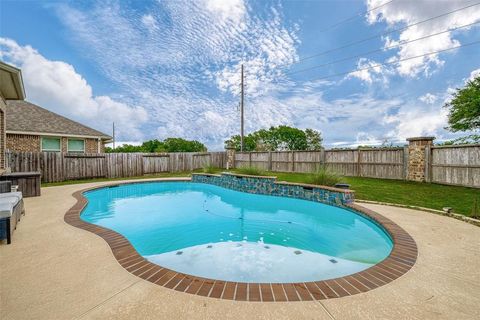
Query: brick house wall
{"points": [[91, 145], [23, 143], [32, 143]]}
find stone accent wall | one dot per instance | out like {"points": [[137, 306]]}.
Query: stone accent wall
{"points": [[23, 143], [269, 186], [417, 161]]}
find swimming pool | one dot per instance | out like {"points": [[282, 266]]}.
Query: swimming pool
{"points": [[213, 232]]}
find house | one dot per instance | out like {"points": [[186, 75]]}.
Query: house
{"points": [[31, 128], [11, 88]]}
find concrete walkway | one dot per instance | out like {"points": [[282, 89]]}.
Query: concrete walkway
{"points": [[55, 271]]}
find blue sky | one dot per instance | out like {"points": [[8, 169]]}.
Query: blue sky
{"points": [[171, 68]]}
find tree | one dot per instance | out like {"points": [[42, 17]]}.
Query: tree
{"points": [[153, 146], [167, 145], [278, 138], [314, 139], [249, 143], [464, 113], [126, 148], [182, 145]]}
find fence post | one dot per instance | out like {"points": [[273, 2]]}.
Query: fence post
{"points": [[323, 157], [417, 158], [230, 151], [405, 163], [293, 161], [269, 160], [250, 159], [359, 169], [428, 163]]}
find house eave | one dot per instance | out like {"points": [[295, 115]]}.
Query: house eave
{"points": [[106, 139], [17, 81]]}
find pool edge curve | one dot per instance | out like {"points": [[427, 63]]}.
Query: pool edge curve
{"points": [[400, 260]]}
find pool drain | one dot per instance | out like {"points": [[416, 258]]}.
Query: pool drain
{"points": [[179, 253], [333, 261]]}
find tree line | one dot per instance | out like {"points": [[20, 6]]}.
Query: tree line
{"points": [[167, 145], [281, 138]]}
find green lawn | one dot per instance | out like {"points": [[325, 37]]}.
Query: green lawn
{"points": [[426, 195]]}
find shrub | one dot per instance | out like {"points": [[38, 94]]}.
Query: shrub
{"points": [[208, 168], [252, 171], [324, 176]]}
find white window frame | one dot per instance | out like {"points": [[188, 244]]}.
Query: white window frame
{"points": [[50, 150], [84, 145]]}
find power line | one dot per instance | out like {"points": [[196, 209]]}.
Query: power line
{"points": [[384, 33], [379, 50], [354, 17], [393, 62]]}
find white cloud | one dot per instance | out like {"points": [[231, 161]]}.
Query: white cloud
{"points": [[186, 73], [56, 86], [428, 98], [226, 9], [412, 120], [370, 71], [400, 13], [474, 74], [150, 22]]}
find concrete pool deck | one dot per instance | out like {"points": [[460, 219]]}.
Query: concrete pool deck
{"points": [[55, 271]]}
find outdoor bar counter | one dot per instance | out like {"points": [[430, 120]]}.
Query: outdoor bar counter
{"points": [[28, 182]]}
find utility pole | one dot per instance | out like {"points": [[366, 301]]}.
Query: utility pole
{"points": [[241, 114], [113, 134]]}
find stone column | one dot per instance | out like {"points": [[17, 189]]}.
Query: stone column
{"points": [[230, 157], [417, 157]]}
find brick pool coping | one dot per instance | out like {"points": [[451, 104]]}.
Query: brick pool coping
{"points": [[401, 259]]}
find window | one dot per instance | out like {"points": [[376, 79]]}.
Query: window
{"points": [[76, 145], [51, 144]]}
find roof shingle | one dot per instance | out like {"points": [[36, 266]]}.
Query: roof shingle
{"points": [[23, 116]]}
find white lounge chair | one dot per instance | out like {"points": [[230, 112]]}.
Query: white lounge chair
{"points": [[11, 209]]}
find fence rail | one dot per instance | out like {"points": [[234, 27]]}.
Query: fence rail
{"points": [[375, 163], [456, 165], [57, 167]]}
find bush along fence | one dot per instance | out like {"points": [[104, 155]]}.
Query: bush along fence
{"points": [[57, 167], [419, 161]]}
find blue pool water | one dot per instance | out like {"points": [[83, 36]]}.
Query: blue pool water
{"points": [[213, 232]]}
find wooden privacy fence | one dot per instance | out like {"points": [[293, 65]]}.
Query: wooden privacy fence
{"points": [[56, 166], [455, 165], [377, 163]]}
